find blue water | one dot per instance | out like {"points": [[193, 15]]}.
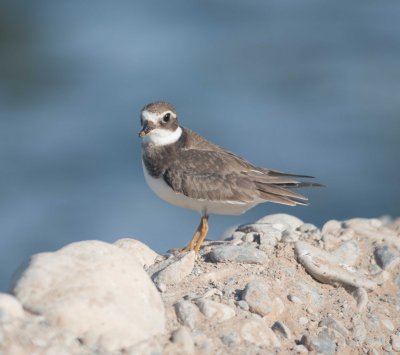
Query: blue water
{"points": [[308, 87]]}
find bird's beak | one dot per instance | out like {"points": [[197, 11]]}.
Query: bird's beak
{"points": [[147, 127]]}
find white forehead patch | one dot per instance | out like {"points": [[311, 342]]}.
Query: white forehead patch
{"points": [[150, 116], [160, 136]]}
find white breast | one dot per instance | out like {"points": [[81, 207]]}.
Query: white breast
{"points": [[162, 190]]}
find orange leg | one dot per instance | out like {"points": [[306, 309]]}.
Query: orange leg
{"points": [[204, 231], [195, 238]]}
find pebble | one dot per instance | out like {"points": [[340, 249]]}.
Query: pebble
{"points": [[290, 237], [388, 324], [230, 339], [359, 331], [187, 313], [282, 218], [373, 351], [238, 254], [218, 312], [303, 320], [385, 257], [256, 295], [243, 305], [146, 347], [348, 253], [322, 343], [332, 227], [361, 297], [308, 229], [257, 332], [311, 293], [249, 237], [10, 308], [183, 338], [395, 341], [334, 324], [294, 299], [175, 272], [280, 328], [300, 349], [324, 267]]}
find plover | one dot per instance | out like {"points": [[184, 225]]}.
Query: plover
{"points": [[186, 170]]}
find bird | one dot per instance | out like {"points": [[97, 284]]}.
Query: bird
{"points": [[186, 170]]}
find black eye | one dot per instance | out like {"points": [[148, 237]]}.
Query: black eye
{"points": [[166, 117]]}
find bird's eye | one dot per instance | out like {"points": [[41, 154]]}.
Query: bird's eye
{"points": [[166, 117]]}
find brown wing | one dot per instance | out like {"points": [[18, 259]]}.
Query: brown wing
{"points": [[219, 175]]}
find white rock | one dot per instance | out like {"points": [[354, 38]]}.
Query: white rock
{"points": [[188, 314], [395, 341], [282, 218], [94, 290], [388, 324], [332, 227], [10, 308], [257, 332], [324, 267], [183, 338], [256, 294], [177, 270], [141, 252], [217, 311]]}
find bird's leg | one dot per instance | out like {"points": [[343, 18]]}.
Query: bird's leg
{"points": [[204, 231], [195, 238]]}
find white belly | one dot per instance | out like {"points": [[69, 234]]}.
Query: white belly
{"points": [[162, 190]]}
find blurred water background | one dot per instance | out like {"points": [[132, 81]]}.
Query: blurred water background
{"points": [[302, 86]]}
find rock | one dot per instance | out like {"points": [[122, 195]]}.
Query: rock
{"points": [[184, 340], [300, 349], [361, 297], [218, 312], [94, 290], [256, 295], [10, 308], [334, 324], [294, 299], [278, 307], [359, 331], [257, 332], [243, 305], [324, 267], [141, 252], [238, 254], [308, 229], [388, 324], [323, 343], [280, 328], [386, 258], [188, 314], [332, 227], [303, 320], [231, 339], [248, 238], [347, 253], [148, 347], [309, 293], [395, 341], [175, 272], [282, 218]]}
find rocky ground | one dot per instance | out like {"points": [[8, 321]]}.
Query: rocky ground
{"points": [[275, 286]]}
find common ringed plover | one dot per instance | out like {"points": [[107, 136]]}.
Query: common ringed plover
{"points": [[186, 170]]}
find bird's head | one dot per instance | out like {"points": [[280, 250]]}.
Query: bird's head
{"points": [[159, 124]]}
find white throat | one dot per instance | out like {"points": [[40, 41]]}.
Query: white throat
{"points": [[159, 136]]}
